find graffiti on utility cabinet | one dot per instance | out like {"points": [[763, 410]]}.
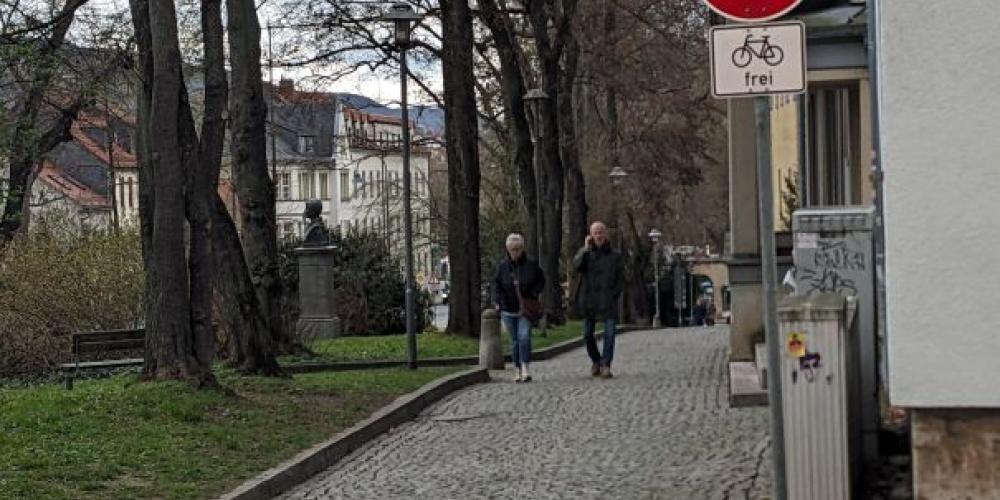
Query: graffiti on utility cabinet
{"points": [[832, 265]]}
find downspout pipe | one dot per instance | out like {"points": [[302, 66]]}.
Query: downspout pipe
{"points": [[878, 175]]}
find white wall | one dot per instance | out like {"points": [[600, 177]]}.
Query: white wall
{"points": [[939, 91]]}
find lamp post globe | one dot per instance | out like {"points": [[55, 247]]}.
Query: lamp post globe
{"points": [[617, 175], [402, 16], [535, 99]]}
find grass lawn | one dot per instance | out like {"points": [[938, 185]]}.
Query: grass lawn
{"points": [[117, 438], [429, 345]]}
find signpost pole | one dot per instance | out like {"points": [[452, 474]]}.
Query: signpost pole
{"points": [[768, 269], [760, 60]]}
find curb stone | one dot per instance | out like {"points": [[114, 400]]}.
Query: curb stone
{"points": [[311, 461]]}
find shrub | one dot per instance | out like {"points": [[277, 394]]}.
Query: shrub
{"points": [[55, 283], [369, 290]]}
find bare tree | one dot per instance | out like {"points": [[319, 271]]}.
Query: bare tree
{"points": [[178, 174], [550, 45], [643, 102], [512, 78], [250, 174], [463, 166], [40, 123]]}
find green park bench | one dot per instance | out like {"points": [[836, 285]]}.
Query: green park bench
{"points": [[102, 342]]}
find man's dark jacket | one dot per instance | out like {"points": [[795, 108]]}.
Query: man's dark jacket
{"points": [[530, 277], [600, 273]]}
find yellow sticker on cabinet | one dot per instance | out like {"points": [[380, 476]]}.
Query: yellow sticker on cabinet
{"points": [[796, 344]]}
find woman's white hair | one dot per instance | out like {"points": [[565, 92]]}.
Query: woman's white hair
{"points": [[515, 239]]}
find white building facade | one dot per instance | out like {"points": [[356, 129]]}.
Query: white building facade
{"points": [[938, 148], [351, 160]]}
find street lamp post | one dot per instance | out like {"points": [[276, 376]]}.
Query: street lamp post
{"points": [[654, 235], [535, 99], [617, 176], [402, 16]]}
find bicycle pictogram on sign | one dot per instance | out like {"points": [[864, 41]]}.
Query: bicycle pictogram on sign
{"points": [[767, 52]]}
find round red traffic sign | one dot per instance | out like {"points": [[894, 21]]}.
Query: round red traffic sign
{"points": [[752, 10]]}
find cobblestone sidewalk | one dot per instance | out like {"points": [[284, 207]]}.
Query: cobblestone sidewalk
{"points": [[661, 429]]}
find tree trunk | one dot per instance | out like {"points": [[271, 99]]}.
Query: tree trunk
{"points": [[576, 202], [170, 351], [144, 96], [512, 83], [250, 174], [638, 265], [251, 337], [462, 132], [204, 159], [553, 176]]}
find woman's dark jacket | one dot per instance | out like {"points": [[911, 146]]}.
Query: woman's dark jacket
{"points": [[600, 271], [530, 278]]}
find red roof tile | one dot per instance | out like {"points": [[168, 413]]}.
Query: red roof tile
{"points": [[54, 177]]}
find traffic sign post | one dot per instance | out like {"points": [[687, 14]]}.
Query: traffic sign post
{"points": [[763, 59], [760, 60], [747, 11]]}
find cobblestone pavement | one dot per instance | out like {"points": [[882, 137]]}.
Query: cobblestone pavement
{"points": [[660, 429]]}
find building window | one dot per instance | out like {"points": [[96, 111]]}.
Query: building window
{"points": [[307, 144], [345, 186], [324, 186], [131, 198], [832, 177], [307, 188], [287, 230], [284, 186]]}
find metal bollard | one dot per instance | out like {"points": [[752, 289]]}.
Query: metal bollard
{"points": [[490, 350]]}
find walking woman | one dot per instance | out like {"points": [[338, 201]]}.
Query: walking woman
{"points": [[517, 285]]}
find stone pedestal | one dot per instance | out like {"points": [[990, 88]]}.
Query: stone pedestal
{"points": [[490, 348], [317, 316]]}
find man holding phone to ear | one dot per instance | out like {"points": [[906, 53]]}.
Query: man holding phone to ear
{"points": [[600, 271]]}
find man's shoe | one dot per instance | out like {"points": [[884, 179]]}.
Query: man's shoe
{"points": [[525, 376], [595, 370], [517, 378], [606, 372]]}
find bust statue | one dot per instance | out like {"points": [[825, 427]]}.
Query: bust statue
{"points": [[316, 233]]}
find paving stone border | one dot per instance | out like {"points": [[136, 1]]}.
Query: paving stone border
{"points": [[309, 462], [537, 355]]}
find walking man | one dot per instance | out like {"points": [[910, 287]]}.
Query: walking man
{"points": [[601, 280]]}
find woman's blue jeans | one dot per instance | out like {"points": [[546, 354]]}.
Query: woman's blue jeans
{"points": [[520, 337]]}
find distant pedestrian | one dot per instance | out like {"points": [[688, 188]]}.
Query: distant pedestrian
{"points": [[699, 312], [710, 313], [601, 278], [517, 284]]}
